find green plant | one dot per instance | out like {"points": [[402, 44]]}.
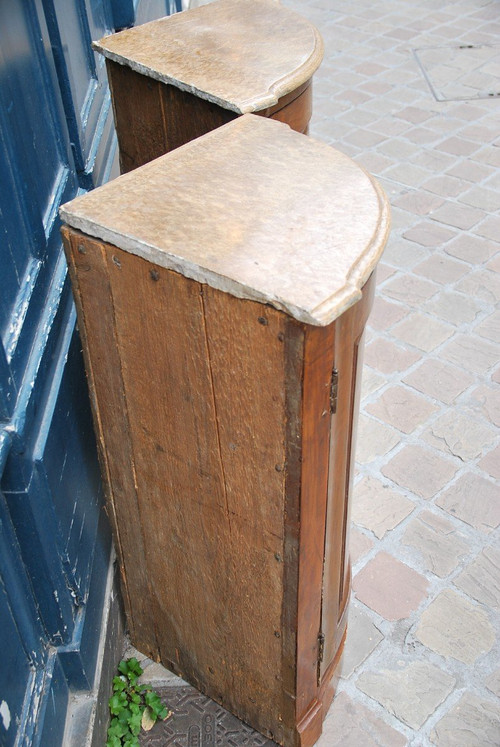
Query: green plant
{"points": [[133, 706]]}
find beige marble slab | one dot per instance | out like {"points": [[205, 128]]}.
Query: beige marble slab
{"points": [[241, 54], [254, 209]]}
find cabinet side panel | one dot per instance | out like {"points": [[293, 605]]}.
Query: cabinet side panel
{"points": [[181, 503], [348, 362], [246, 344], [138, 116], [318, 365], [87, 266], [187, 116]]}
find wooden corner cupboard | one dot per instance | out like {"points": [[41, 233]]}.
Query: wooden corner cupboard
{"points": [[222, 291], [179, 77]]}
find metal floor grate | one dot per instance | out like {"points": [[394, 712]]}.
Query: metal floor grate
{"points": [[198, 721], [461, 73]]}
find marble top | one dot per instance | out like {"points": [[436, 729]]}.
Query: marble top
{"points": [[254, 209], [241, 54]]}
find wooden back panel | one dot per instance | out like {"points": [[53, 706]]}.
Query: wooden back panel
{"points": [[190, 395], [153, 118]]}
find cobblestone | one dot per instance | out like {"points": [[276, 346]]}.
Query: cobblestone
{"points": [[453, 626], [421, 470], [390, 587], [473, 499], [411, 693], [473, 722], [378, 508], [434, 333], [439, 380]]}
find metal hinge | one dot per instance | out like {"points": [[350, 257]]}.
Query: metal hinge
{"points": [[321, 652], [334, 388]]}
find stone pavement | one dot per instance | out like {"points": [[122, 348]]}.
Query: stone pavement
{"points": [[411, 92], [405, 89]]}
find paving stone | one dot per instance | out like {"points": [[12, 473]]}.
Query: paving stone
{"points": [[490, 327], [483, 284], [445, 186], [418, 202], [472, 249], [429, 234], [491, 463], [422, 331], [413, 114], [408, 174], [351, 724], [494, 264], [378, 508], [473, 499], [470, 171], [489, 228], [362, 638], [458, 434], [399, 252], [439, 380], [424, 136], [493, 683], [441, 269], [457, 146], [420, 470], [370, 382], [374, 439], [481, 579], [495, 376], [453, 307], [471, 353], [411, 694], [440, 548], [387, 357], [486, 399], [384, 313], [480, 197], [390, 587], [458, 216], [359, 545], [384, 272], [453, 626], [156, 675], [472, 722], [400, 407]]}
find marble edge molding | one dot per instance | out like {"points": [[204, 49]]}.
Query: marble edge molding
{"points": [[332, 307], [320, 316], [279, 88]]}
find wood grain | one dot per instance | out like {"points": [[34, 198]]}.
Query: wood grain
{"points": [[138, 116], [318, 365], [348, 363], [96, 319]]}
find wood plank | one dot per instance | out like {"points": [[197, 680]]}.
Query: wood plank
{"points": [[186, 117], [294, 370], [138, 116], [318, 364], [182, 509], [247, 360], [348, 362], [96, 319]]}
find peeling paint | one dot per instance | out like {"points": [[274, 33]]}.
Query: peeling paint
{"points": [[5, 714]]}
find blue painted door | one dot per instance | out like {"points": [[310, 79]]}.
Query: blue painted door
{"points": [[56, 138]]}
